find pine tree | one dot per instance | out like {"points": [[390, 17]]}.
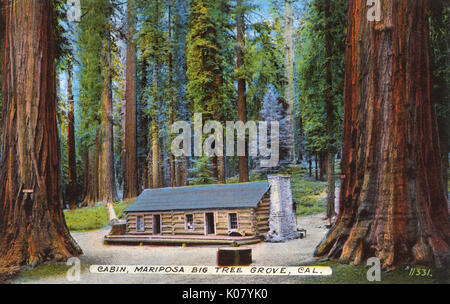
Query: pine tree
{"points": [[131, 187], [209, 68], [96, 128]]}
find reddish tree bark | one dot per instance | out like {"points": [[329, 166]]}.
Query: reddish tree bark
{"points": [[242, 98], [107, 180], [392, 204], [32, 225], [130, 176]]}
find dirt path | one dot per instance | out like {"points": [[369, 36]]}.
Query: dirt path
{"points": [[293, 253]]}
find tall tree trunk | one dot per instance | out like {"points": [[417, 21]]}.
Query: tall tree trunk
{"points": [[316, 162], [92, 195], [156, 183], [310, 165], [107, 186], [182, 171], [392, 204], [154, 131], [143, 133], [289, 91], [85, 175], [2, 28], [149, 164], [173, 179], [242, 102], [330, 115], [130, 176], [322, 165], [32, 225], [221, 170], [71, 153]]}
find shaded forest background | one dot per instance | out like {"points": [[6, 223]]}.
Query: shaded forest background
{"points": [[126, 72]]}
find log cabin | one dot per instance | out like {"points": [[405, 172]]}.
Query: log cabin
{"points": [[208, 214]]}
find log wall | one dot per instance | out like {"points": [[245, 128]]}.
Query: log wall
{"points": [[174, 223], [262, 212]]}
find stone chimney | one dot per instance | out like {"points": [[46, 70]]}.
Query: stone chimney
{"points": [[282, 222]]}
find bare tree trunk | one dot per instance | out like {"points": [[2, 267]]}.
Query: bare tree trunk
{"points": [[130, 176], [322, 165], [310, 165], [92, 183], [316, 160], [182, 171], [289, 58], [242, 98], [107, 187], [144, 172], [155, 157], [330, 116], [71, 153], [173, 179], [221, 170], [150, 168], [392, 204], [32, 225]]}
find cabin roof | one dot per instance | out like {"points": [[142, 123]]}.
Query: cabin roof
{"points": [[233, 196]]}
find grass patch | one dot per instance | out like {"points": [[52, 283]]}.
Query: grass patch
{"points": [[46, 271], [308, 195], [347, 274], [91, 218]]}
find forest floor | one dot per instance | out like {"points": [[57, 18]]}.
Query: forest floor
{"points": [[292, 253]]}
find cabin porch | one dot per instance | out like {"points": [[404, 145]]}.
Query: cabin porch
{"points": [[180, 239]]}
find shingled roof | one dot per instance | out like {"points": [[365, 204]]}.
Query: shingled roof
{"points": [[234, 196]]}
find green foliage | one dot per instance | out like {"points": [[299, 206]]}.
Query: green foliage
{"points": [[209, 68], [264, 61], [312, 86], [91, 41], [91, 218], [202, 172], [308, 196], [440, 58]]}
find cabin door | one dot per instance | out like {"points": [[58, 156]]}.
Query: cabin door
{"points": [[157, 224], [209, 223]]}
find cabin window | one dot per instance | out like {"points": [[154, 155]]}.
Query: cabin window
{"points": [[189, 222], [140, 223], [232, 221]]}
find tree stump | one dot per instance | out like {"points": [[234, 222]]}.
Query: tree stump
{"points": [[234, 256], [118, 228]]}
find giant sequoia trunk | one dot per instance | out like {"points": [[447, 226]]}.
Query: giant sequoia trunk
{"points": [[32, 225], [130, 176], [392, 204]]}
